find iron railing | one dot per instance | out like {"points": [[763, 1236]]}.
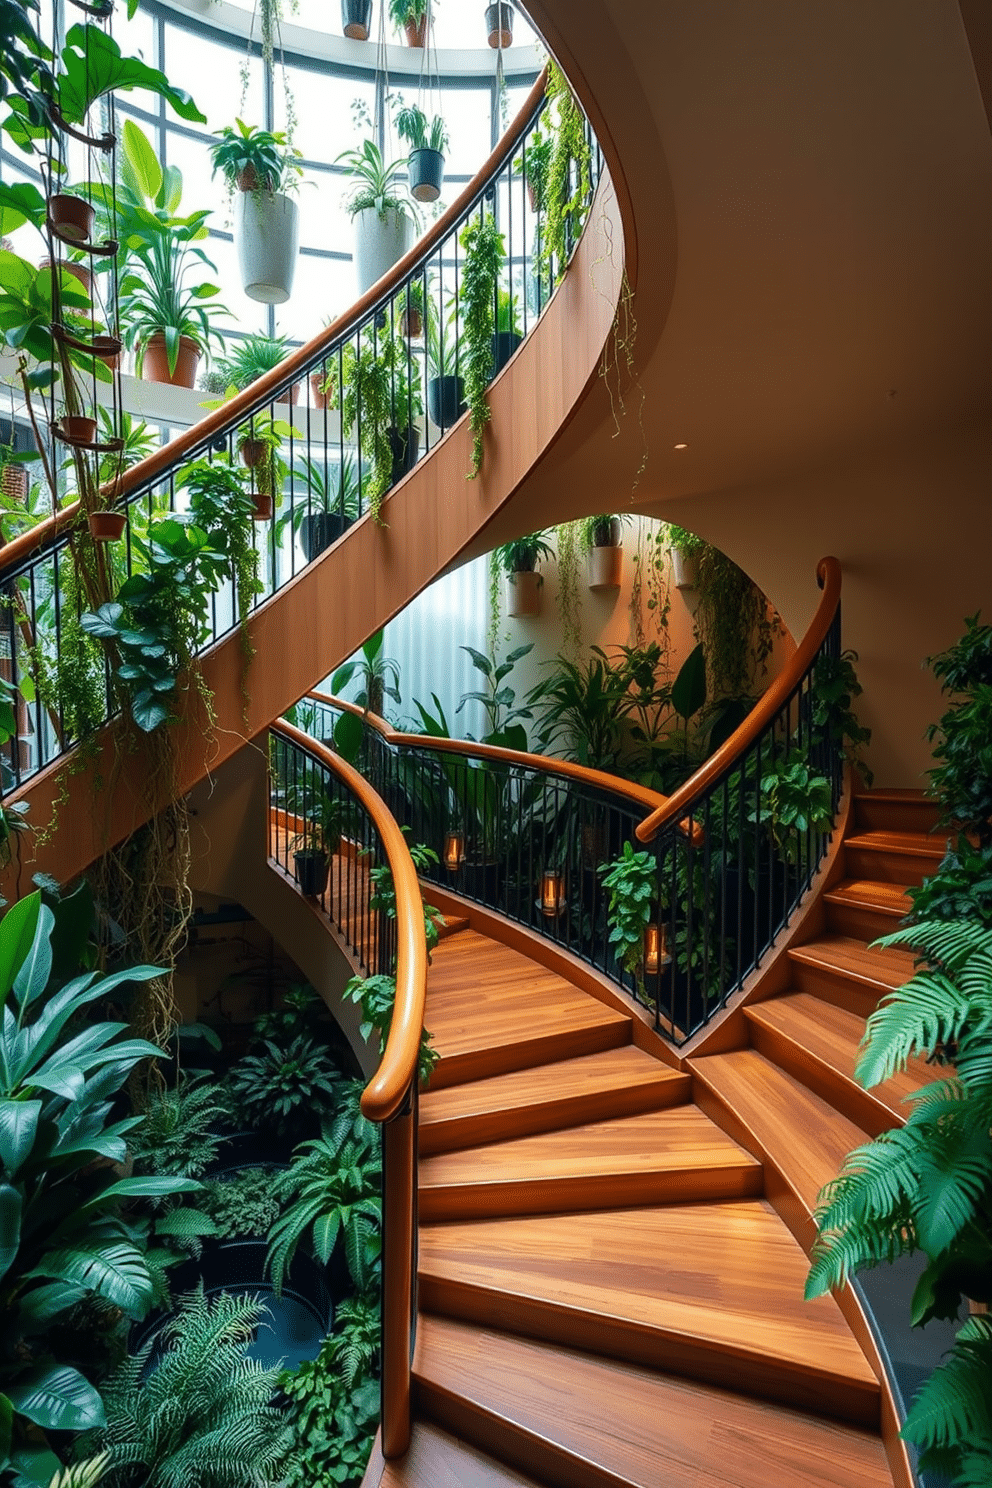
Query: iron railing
{"points": [[332, 469]]}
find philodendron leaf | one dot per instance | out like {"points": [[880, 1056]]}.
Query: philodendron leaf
{"points": [[117, 1272], [58, 1399], [18, 1126], [17, 932]]}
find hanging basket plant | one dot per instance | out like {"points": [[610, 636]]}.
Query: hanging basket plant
{"points": [[107, 526], [428, 142], [356, 18], [499, 24], [258, 166]]}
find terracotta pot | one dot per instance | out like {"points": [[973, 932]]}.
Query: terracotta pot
{"points": [[253, 452], [523, 594], [72, 216], [107, 526], [605, 567], [499, 24], [318, 398], [78, 271], [14, 482], [249, 180], [263, 506], [411, 323], [416, 32], [79, 430], [155, 362]]}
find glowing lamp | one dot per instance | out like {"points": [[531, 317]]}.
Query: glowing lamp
{"points": [[552, 893], [656, 956], [454, 851]]}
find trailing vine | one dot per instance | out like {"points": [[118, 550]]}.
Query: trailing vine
{"points": [[567, 548], [485, 251], [569, 185], [732, 622]]}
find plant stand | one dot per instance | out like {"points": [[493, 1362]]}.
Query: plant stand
{"points": [[267, 235]]}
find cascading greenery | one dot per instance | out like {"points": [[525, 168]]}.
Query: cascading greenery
{"points": [[485, 251], [569, 177], [732, 622]]}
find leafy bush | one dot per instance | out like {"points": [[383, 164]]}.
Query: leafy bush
{"points": [[632, 880], [376, 995], [334, 1402], [242, 1205], [204, 1414], [960, 889], [962, 778], [286, 1088], [794, 801], [301, 1012], [176, 1133], [835, 685]]}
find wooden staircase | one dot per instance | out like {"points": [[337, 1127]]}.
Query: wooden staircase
{"points": [[613, 1238]]}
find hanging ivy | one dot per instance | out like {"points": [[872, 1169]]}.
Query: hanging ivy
{"points": [[733, 623], [569, 176], [567, 548], [484, 254]]}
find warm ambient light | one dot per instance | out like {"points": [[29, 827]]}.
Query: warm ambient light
{"points": [[454, 851], [656, 956], [552, 893], [681, 446]]}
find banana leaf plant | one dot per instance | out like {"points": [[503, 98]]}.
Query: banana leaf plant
{"points": [[63, 1237]]}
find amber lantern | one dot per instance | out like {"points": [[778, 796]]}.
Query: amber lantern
{"points": [[454, 851], [656, 956], [552, 893]]}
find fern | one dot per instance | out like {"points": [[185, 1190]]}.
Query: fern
{"points": [[83, 1474], [331, 1191], [951, 1413]]}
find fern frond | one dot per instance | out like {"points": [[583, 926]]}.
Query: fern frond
{"points": [[953, 1408], [82, 1474]]}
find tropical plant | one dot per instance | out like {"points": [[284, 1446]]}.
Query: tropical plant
{"points": [[321, 815], [301, 1012], [204, 1413], [138, 442], [834, 686], [633, 882], [412, 125], [244, 1204], [522, 554], [581, 707], [376, 996], [569, 174], [334, 1402], [156, 299], [376, 185], [253, 159], [689, 544], [331, 488], [442, 344], [404, 12], [379, 676], [794, 800], [287, 1088], [383, 896], [64, 1239], [178, 1133], [505, 728], [960, 889], [331, 1190], [250, 358], [534, 164], [382, 397], [82, 1474], [927, 1186], [601, 531], [962, 777], [485, 252]]}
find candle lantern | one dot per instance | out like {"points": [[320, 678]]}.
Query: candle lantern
{"points": [[552, 893], [454, 851], [656, 957]]}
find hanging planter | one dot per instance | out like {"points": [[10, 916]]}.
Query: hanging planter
{"points": [[77, 430], [107, 526], [356, 18], [499, 24], [77, 271], [253, 453], [262, 506], [155, 361], [71, 217], [426, 174], [267, 236], [318, 397], [380, 242], [685, 569], [605, 567], [523, 594]]}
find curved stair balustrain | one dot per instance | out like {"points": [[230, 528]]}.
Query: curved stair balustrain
{"points": [[321, 612]]}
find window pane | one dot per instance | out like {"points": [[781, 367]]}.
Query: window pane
{"points": [[322, 289], [212, 74], [323, 110]]}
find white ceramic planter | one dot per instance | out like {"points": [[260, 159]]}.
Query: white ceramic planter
{"points": [[267, 235], [684, 569], [523, 594], [380, 242], [605, 568]]}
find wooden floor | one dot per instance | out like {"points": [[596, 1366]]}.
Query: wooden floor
{"points": [[612, 1252]]}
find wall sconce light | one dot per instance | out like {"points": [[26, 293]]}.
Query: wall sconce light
{"points": [[454, 851], [552, 893], [656, 957]]}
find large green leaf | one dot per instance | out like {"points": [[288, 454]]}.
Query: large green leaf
{"points": [[20, 203], [140, 166], [142, 1187], [10, 1226], [58, 1399], [18, 1126], [92, 65], [117, 1272], [689, 687], [17, 928], [41, 1305], [6, 1428], [36, 968]]}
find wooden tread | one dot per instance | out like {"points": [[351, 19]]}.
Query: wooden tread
{"points": [[840, 969], [659, 1157], [818, 1042], [778, 1118], [617, 1082], [865, 909], [437, 1459], [894, 857], [895, 810], [586, 1422], [491, 1010], [713, 1290]]}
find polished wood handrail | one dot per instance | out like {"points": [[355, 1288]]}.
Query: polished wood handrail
{"points": [[388, 1087], [258, 392], [828, 574]]}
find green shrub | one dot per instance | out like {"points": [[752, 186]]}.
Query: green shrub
{"points": [[286, 1088]]}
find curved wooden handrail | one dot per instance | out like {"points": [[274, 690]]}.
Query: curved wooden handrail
{"points": [[828, 574], [260, 392], [388, 1087]]}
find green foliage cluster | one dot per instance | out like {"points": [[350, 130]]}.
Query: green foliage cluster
{"points": [[376, 996], [285, 1088], [178, 1132], [376, 185], [632, 880], [383, 895], [732, 622], [413, 127], [244, 1204], [834, 687], [264, 160], [382, 396], [522, 554], [485, 252], [334, 1402], [569, 179], [794, 800]]}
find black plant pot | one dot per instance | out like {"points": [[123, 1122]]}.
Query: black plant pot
{"points": [[426, 175], [318, 531], [311, 871], [446, 400], [499, 24], [405, 446], [505, 344], [356, 18]]}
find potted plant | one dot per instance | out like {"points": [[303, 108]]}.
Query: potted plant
{"points": [[499, 24], [411, 303], [333, 505], [445, 388], [314, 846], [356, 17], [633, 881], [685, 548], [382, 399], [410, 17], [507, 336], [383, 225], [378, 674], [166, 319], [259, 167], [485, 251], [533, 166], [599, 539], [518, 561], [427, 146], [251, 358]]}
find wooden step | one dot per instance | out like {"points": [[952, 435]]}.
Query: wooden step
{"points": [[491, 1010], [895, 857], [802, 1138], [846, 971], [894, 811], [618, 1082], [656, 1158], [712, 1290], [865, 910], [819, 1042], [436, 1459], [447, 924], [584, 1422]]}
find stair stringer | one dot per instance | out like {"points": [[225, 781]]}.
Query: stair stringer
{"points": [[333, 606]]}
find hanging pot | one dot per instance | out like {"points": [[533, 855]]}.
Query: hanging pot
{"points": [[262, 506], [499, 24], [356, 18], [78, 430], [446, 400], [319, 531], [71, 217], [426, 174], [311, 871], [14, 482], [685, 569], [411, 323], [505, 344], [155, 362], [416, 31], [77, 271], [380, 242], [267, 236], [523, 593], [253, 453], [405, 445], [605, 567], [107, 526]]}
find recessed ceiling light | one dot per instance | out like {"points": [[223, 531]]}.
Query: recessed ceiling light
{"points": [[681, 446]]}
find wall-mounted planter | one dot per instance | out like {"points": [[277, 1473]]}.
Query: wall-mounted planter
{"points": [[107, 526], [356, 18], [499, 24], [426, 174], [380, 242], [446, 400], [685, 568], [523, 594], [267, 235], [155, 362], [605, 567]]}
